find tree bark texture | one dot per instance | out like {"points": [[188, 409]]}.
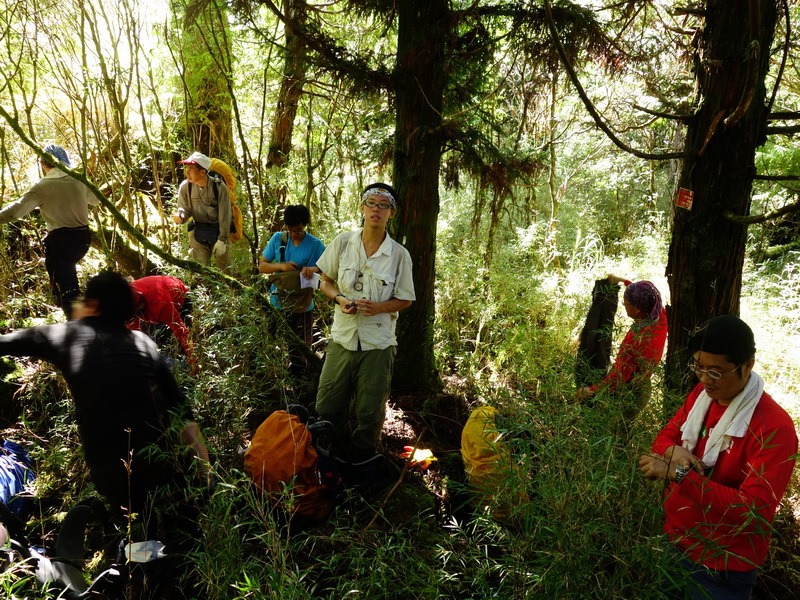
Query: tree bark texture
{"points": [[207, 64], [706, 253], [294, 72], [419, 85]]}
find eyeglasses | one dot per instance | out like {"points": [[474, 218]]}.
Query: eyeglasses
{"points": [[296, 229], [381, 205], [711, 373]]}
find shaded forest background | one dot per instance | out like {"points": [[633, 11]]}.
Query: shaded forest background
{"points": [[535, 148]]}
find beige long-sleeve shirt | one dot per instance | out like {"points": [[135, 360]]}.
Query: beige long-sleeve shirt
{"points": [[62, 200], [205, 207]]}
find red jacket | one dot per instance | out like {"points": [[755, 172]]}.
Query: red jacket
{"points": [[162, 297], [638, 355], [723, 520]]}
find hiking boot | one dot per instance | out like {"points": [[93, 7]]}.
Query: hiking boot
{"points": [[368, 470]]}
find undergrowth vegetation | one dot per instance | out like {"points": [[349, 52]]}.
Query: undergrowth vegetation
{"points": [[505, 336]]}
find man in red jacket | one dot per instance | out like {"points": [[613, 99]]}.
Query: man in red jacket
{"points": [[728, 454], [163, 300]]}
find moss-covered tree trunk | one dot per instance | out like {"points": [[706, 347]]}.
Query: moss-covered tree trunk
{"points": [[707, 251], [419, 78], [294, 72], [207, 65]]}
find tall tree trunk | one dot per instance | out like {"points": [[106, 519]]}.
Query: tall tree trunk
{"points": [[551, 240], [706, 254], [207, 65], [294, 72], [418, 148]]}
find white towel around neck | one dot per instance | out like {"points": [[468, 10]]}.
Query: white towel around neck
{"points": [[733, 423]]}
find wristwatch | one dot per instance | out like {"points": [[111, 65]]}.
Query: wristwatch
{"points": [[680, 472]]}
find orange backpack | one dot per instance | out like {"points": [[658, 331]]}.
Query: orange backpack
{"points": [[281, 458]]}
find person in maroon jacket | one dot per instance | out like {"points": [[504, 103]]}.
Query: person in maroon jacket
{"points": [[727, 455], [163, 300]]}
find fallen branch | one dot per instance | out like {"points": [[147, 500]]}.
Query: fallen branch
{"points": [[400, 479]]}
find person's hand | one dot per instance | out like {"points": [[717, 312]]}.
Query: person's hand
{"points": [[348, 306], [654, 466], [368, 308], [678, 455], [583, 393], [178, 218], [615, 280], [308, 272], [219, 248], [290, 265]]}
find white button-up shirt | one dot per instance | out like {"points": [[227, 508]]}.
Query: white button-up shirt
{"points": [[380, 277]]}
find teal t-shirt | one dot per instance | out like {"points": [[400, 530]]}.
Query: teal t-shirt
{"points": [[305, 254]]}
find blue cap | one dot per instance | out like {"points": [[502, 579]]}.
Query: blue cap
{"points": [[59, 153]]}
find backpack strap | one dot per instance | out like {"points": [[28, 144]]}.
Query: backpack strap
{"points": [[213, 180], [284, 241]]}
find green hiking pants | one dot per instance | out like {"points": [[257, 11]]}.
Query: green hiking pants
{"points": [[366, 376]]}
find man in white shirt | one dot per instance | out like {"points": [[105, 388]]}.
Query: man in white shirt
{"points": [[64, 203], [368, 275]]}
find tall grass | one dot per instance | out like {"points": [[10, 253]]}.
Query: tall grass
{"points": [[505, 335]]}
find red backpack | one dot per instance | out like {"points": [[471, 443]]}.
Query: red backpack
{"points": [[282, 457]]}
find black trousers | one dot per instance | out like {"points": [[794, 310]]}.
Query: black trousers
{"points": [[63, 249]]}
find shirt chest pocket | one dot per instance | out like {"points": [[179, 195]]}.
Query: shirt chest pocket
{"points": [[368, 283], [381, 285]]}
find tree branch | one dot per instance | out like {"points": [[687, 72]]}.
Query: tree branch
{"points": [[777, 177], [753, 60], [786, 42], [784, 130], [784, 115], [189, 265], [588, 103], [689, 11], [663, 115], [337, 58], [750, 219], [778, 251], [680, 31]]}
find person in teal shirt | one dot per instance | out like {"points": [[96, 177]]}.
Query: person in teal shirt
{"points": [[302, 250]]}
